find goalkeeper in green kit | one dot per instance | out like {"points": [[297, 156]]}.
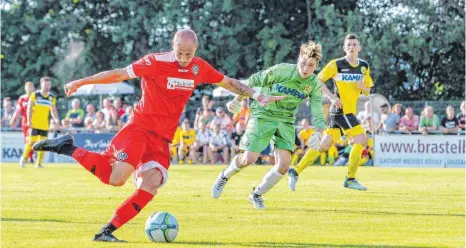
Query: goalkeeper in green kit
{"points": [[275, 122]]}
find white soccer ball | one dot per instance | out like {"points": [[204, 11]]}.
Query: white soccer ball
{"points": [[161, 227]]}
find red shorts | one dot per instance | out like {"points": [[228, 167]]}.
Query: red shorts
{"points": [[142, 149]]}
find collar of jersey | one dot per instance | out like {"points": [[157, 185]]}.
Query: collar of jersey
{"points": [[354, 66], [43, 95]]}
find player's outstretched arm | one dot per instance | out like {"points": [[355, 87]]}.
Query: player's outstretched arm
{"points": [[235, 86], [106, 77]]}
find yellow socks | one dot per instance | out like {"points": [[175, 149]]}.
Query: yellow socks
{"points": [[354, 158], [308, 159]]}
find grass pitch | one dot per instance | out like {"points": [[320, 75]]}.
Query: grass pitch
{"points": [[64, 206]]}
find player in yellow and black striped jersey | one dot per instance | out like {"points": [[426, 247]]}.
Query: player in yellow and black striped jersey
{"points": [[187, 138], [351, 77], [304, 134], [41, 104]]}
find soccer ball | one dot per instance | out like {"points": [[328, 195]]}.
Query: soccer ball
{"points": [[161, 227]]}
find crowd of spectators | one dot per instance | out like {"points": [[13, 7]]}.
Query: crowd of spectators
{"points": [[110, 118], [212, 135], [403, 120]]}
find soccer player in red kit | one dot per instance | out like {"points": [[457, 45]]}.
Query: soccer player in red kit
{"points": [[142, 145], [21, 109]]}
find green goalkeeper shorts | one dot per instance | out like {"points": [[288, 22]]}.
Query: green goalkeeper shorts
{"points": [[259, 133]]}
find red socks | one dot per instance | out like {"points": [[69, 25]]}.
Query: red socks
{"points": [[96, 163], [131, 207]]}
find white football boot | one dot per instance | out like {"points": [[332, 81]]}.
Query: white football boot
{"points": [[22, 163], [218, 186], [256, 200]]}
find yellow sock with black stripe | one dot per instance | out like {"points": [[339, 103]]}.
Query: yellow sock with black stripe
{"points": [[354, 158], [308, 159]]}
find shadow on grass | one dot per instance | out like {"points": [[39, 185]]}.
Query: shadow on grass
{"points": [[277, 244], [349, 211]]}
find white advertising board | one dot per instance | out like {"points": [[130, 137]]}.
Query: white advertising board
{"points": [[420, 151]]}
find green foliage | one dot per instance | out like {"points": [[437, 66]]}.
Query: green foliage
{"points": [[409, 45]]}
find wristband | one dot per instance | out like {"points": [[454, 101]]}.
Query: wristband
{"points": [[255, 95]]}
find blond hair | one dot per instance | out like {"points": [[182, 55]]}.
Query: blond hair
{"points": [[311, 50]]}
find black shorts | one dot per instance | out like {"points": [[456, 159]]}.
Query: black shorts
{"points": [[35, 132], [343, 121]]}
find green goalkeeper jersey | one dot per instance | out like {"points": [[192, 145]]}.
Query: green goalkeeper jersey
{"points": [[284, 80]]}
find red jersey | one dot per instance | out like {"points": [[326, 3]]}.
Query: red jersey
{"points": [[166, 88], [22, 104]]}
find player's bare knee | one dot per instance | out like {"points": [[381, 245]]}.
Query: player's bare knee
{"points": [[117, 182], [151, 181], [283, 168], [360, 139], [246, 159]]}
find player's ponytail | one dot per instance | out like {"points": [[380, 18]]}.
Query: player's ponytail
{"points": [[311, 50]]}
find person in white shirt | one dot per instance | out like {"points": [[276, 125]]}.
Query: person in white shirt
{"points": [[223, 119], [201, 144], [218, 145], [368, 117]]}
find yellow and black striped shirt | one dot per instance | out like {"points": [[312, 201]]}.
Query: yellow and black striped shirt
{"points": [[41, 109], [346, 77]]}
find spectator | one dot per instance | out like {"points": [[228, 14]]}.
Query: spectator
{"points": [[429, 122], [187, 138], [118, 106], [449, 121], [88, 124], [113, 123], [367, 118], [396, 109], [99, 122], [222, 119], [127, 116], [7, 112], [242, 116], [388, 121], [206, 118], [90, 109], [75, 115], [199, 112], [218, 145], [65, 124], [107, 108], [184, 116], [305, 133], [409, 122], [462, 116], [201, 144], [236, 136]]}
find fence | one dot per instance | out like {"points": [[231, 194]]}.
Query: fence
{"points": [[391, 150]]}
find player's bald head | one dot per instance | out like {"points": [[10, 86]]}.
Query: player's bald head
{"points": [[185, 35]]}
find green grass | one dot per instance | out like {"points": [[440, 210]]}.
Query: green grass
{"points": [[64, 206]]}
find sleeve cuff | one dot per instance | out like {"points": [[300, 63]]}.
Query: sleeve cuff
{"points": [[130, 71]]}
